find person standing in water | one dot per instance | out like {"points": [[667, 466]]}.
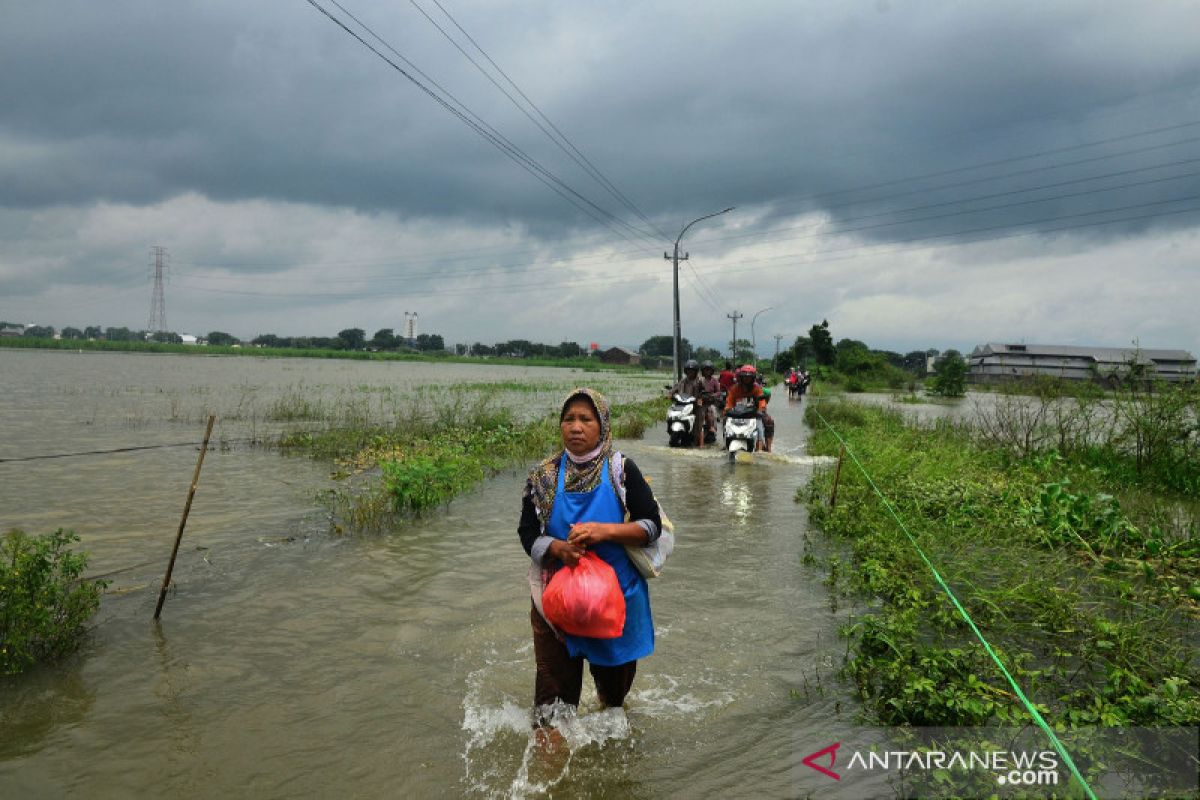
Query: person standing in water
{"points": [[575, 501]]}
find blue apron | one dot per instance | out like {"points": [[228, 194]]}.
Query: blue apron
{"points": [[602, 505]]}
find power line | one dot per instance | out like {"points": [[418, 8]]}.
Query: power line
{"points": [[476, 123], [442, 274], [759, 235], [566, 145], [847, 252], [1007, 160]]}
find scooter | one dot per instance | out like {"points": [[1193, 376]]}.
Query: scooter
{"points": [[681, 420], [741, 428], [713, 403]]}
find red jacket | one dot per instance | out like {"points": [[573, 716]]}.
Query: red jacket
{"points": [[727, 379]]}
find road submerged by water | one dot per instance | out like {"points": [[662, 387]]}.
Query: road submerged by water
{"points": [[291, 662]]}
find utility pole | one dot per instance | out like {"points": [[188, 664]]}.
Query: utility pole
{"points": [[778, 336], [158, 303], [735, 316], [676, 339]]}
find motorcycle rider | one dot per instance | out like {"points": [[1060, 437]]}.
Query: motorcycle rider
{"points": [[710, 387], [690, 386], [768, 423], [747, 387], [726, 377]]}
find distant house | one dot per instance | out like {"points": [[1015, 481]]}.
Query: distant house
{"points": [[620, 355], [994, 362], [12, 330]]}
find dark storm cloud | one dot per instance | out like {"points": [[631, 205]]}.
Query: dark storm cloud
{"points": [[302, 185], [774, 104]]}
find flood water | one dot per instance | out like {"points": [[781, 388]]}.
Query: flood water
{"points": [[293, 662]]}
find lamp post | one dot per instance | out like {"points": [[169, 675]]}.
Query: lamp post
{"points": [[753, 341], [675, 343]]}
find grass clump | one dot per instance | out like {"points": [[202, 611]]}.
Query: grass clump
{"points": [[430, 455], [1088, 588], [44, 604]]}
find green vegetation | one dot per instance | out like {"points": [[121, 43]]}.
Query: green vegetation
{"points": [[850, 365], [138, 346], [44, 604], [1087, 586], [950, 375], [422, 461]]}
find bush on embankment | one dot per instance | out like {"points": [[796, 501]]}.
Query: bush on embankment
{"points": [[44, 605], [425, 461], [1090, 599]]}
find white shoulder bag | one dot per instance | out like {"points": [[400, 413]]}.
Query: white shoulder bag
{"points": [[650, 559]]}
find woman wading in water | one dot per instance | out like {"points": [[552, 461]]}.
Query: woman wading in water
{"points": [[575, 501]]}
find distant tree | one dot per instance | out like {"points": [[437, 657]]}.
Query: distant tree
{"points": [[71, 333], [481, 349], [707, 354], [39, 332], [430, 342], [320, 343], [353, 338], [893, 358], [822, 343], [460, 349], [166, 337], [914, 361], [121, 335], [743, 353], [266, 340], [802, 351], [520, 348], [950, 375], [658, 346], [93, 332], [565, 350], [855, 358], [220, 338], [385, 339]]}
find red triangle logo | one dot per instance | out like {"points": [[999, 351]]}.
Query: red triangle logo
{"points": [[831, 751]]}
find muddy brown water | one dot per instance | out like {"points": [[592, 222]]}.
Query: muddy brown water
{"points": [[293, 662]]}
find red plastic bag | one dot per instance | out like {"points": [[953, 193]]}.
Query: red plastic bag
{"points": [[586, 599]]}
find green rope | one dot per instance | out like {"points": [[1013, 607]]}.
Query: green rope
{"points": [[1033, 712]]}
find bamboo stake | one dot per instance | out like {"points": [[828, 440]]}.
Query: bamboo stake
{"points": [[162, 594], [837, 474]]}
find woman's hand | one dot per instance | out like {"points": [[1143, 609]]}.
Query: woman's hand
{"points": [[566, 552], [584, 534]]}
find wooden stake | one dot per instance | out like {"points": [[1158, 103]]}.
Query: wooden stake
{"points": [[162, 594], [837, 474]]}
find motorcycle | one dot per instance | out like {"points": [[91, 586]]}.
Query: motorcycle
{"points": [[681, 420], [713, 403], [741, 427]]}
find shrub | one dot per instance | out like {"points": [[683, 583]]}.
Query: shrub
{"points": [[44, 604]]}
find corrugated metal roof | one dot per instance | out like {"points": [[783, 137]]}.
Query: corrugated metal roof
{"points": [[1103, 354]]}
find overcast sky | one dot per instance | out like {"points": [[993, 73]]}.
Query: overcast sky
{"points": [[921, 174]]}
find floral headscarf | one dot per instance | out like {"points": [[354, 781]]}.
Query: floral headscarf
{"points": [[583, 475]]}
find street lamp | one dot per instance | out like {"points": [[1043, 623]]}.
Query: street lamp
{"points": [[675, 344], [753, 341]]}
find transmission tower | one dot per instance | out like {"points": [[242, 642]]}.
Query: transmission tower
{"points": [[158, 303], [410, 328]]}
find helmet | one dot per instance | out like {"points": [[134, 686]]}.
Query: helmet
{"points": [[747, 369], [766, 393], [691, 364], [706, 365]]}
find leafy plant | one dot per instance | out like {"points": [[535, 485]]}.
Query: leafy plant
{"points": [[44, 605]]}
